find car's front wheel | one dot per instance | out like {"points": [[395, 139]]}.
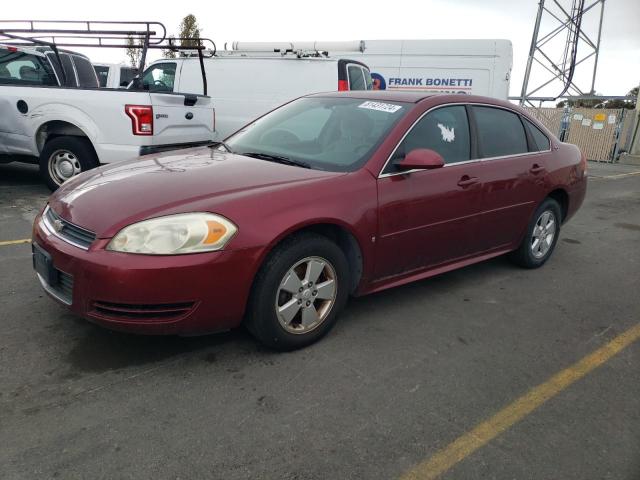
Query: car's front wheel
{"points": [[541, 237], [298, 292]]}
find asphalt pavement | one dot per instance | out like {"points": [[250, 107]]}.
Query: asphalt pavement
{"points": [[405, 374]]}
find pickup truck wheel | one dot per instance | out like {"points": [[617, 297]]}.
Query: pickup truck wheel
{"points": [[65, 157]]}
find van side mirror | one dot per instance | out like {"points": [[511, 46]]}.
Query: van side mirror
{"points": [[421, 158]]}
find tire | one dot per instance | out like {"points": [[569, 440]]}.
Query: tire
{"points": [[277, 289], [534, 255], [65, 157]]}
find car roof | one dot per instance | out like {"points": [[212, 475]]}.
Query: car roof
{"points": [[416, 97], [386, 95]]}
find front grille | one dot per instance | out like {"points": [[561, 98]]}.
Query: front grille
{"points": [[124, 311], [73, 234], [65, 285]]}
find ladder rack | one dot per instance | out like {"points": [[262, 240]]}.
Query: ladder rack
{"points": [[143, 35]]}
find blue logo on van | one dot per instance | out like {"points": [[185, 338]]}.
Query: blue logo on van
{"points": [[379, 83]]}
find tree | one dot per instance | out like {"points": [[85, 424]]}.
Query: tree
{"points": [[581, 103], [614, 103], [188, 30], [133, 54], [618, 103], [168, 52]]}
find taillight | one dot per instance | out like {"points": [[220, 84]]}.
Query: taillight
{"points": [[12, 49], [141, 119], [343, 85]]}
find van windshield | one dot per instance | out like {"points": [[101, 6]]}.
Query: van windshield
{"points": [[334, 134]]}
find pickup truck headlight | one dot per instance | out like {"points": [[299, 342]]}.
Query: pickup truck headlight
{"points": [[175, 235]]}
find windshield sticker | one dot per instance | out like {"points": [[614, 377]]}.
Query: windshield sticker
{"points": [[448, 134], [381, 107]]}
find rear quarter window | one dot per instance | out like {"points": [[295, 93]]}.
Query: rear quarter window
{"points": [[540, 140], [500, 132], [86, 74]]}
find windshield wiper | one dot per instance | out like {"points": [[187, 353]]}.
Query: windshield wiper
{"points": [[217, 144], [277, 158]]}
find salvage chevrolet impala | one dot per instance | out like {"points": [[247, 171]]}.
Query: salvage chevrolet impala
{"points": [[330, 195]]}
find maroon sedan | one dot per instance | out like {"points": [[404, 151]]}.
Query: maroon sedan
{"points": [[331, 195]]}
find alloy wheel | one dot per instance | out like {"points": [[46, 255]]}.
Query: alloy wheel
{"points": [[306, 295], [544, 233]]}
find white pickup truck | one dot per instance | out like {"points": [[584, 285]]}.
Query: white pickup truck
{"points": [[58, 117]]}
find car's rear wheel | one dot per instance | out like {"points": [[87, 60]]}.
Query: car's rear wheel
{"points": [[298, 292], [63, 158], [541, 237]]}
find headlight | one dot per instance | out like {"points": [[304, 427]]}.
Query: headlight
{"points": [[175, 235]]}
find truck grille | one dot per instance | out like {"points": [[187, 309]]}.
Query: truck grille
{"points": [[67, 231]]}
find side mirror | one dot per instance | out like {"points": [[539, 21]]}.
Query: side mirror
{"points": [[421, 158]]}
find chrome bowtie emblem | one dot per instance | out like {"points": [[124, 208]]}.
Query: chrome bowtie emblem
{"points": [[58, 225]]}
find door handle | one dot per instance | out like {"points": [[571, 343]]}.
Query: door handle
{"points": [[467, 181], [536, 168]]}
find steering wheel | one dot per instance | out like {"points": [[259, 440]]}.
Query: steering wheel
{"points": [[160, 83], [279, 135]]}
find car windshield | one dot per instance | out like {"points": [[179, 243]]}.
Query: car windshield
{"points": [[323, 133]]}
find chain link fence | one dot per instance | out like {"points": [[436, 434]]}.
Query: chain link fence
{"points": [[601, 133]]}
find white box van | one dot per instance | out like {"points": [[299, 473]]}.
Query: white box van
{"points": [[243, 87], [478, 67], [114, 75]]}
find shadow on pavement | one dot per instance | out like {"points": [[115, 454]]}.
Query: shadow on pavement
{"points": [[20, 174]]}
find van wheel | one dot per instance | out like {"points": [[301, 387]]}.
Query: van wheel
{"points": [[63, 158], [298, 292], [541, 237]]}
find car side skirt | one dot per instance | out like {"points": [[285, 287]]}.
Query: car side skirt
{"points": [[396, 281]]}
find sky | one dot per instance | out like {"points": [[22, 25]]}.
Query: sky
{"points": [[285, 20]]}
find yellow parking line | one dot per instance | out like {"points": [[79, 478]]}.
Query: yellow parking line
{"points": [[523, 406], [15, 242], [618, 175]]}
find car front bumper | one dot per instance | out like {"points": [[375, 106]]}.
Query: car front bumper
{"points": [[149, 294]]}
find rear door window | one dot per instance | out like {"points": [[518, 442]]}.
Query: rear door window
{"points": [[500, 132], [86, 74], [356, 78], [20, 68], [160, 77], [540, 140]]}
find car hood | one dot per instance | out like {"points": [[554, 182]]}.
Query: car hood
{"points": [[108, 198]]}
